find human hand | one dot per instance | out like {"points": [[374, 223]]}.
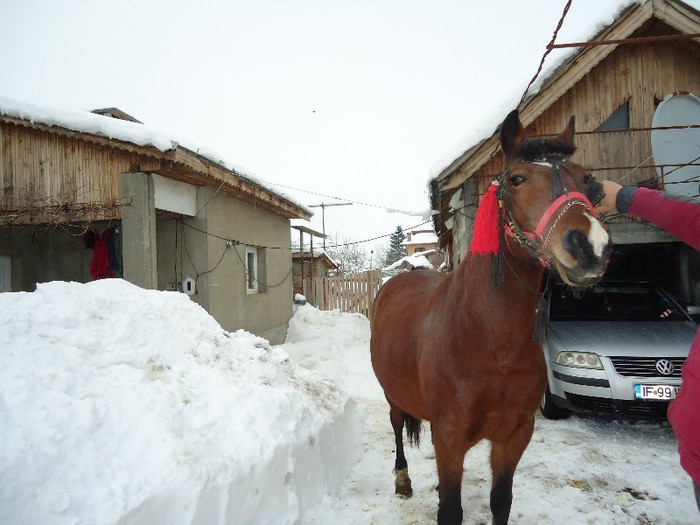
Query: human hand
{"points": [[608, 204]]}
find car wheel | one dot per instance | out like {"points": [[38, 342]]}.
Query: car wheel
{"points": [[551, 411]]}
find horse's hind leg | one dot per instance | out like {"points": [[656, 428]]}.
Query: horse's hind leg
{"points": [[505, 456], [403, 481]]}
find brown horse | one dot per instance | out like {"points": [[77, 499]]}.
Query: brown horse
{"points": [[458, 350]]}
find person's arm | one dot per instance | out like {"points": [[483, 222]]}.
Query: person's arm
{"points": [[677, 215]]}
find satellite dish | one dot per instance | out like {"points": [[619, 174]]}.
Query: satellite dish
{"points": [[673, 148]]}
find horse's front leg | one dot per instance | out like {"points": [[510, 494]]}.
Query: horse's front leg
{"points": [[449, 455], [505, 456]]}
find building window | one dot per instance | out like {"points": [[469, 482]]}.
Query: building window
{"points": [[620, 119], [420, 249], [255, 270], [251, 270]]}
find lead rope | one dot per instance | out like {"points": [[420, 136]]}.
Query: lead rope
{"points": [[497, 260], [540, 328]]}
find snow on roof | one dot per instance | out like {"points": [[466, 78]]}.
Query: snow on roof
{"points": [[125, 130], [480, 130], [417, 260], [422, 237], [87, 122]]}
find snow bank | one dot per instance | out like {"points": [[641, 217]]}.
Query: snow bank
{"points": [[336, 345], [123, 405]]}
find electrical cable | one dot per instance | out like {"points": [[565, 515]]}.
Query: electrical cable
{"points": [[387, 208], [547, 51]]}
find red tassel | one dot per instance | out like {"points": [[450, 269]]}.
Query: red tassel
{"points": [[485, 238]]}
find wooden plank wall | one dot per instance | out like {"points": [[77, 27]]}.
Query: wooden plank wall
{"points": [[44, 174], [643, 74]]}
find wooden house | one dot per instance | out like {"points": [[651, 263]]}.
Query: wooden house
{"points": [[423, 242], [90, 195], [612, 84], [308, 268]]}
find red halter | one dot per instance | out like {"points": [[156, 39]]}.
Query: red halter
{"points": [[548, 222]]}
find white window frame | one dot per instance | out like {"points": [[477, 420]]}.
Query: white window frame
{"points": [[251, 270]]}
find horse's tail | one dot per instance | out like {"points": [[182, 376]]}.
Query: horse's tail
{"points": [[413, 427]]}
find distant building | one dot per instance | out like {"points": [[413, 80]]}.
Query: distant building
{"points": [[423, 242], [417, 261], [307, 268]]}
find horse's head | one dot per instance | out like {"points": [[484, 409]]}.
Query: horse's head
{"points": [[549, 204]]}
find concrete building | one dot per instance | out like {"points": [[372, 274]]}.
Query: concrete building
{"points": [[91, 195]]}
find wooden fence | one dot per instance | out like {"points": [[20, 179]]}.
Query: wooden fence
{"points": [[348, 293]]}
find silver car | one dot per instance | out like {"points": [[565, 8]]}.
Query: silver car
{"points": [[616, 348]]}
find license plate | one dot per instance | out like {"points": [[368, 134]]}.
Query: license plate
{"points": [[655, 391]]}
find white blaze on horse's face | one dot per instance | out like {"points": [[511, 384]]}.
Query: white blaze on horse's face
{"points": [[576, 263], [545, 164], [597, 236]]}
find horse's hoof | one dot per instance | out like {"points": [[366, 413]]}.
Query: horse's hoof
{"points": [[403, 483]]}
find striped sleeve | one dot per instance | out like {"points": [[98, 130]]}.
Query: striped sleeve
{"points": [[676, 214]]}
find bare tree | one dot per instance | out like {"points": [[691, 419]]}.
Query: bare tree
{"points": [[350, 256], [379, 256]]}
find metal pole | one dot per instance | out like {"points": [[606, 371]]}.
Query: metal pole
{"points": [[323, 215]]}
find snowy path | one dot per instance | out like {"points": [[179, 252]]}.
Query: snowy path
{"points": [[578, 471]]}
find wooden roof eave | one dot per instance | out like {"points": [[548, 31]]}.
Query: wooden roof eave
{"points": [[678, 15], [237, 185], [99, 140], [183, 165]]}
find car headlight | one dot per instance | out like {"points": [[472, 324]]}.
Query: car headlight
{"points": [[579, 360]]}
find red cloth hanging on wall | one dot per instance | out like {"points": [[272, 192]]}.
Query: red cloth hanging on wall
{"points": [[99, 266]]}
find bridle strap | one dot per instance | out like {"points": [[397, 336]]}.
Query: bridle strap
{"points": [[563, 200], [560, 202]]}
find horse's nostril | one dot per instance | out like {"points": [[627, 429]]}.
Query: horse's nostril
{"points": [[576, 243]]}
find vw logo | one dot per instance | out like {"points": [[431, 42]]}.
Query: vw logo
{"points": [[665, 367]]}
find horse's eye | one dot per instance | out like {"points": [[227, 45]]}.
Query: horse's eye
{"points": [[587, 178], [517, 180]]}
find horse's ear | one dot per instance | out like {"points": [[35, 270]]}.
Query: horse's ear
{"points": [[568, 134], [512, 133]]}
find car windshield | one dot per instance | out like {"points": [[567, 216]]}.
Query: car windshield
{"points": [[614, 302]]}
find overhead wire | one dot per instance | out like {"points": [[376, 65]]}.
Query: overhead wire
{"points": [[388, 208], [350, 243], [230, 243], [547, 51]]}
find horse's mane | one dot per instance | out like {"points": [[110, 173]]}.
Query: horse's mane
{"points": [[533, 149]]}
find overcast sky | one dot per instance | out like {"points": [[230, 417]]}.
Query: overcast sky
{"points": [[353, 99]]}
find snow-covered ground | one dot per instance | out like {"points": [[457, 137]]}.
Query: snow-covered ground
{"points": [[577, 471], [122, 406]]}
